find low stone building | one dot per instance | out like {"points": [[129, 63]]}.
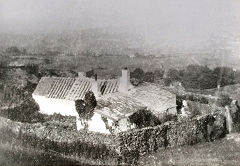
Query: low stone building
{"points": [[116, 99]]}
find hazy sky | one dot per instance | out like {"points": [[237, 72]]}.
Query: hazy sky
{"points": [[186, 22]]}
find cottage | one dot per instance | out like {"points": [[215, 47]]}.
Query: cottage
{"points": [[117, 100]]}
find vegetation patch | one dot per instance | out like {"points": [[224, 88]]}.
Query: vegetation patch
{"points": [[66, 142], [28, 112]]}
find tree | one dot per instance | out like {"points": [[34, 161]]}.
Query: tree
{"points": [[198, 77], [158, 73], [172, 76], [144, 118], [138, 73], [90, 73], [13, 49], [224, 75], [149, 77], [90, 103], [223, 100], [80, 108], [85, 108]]}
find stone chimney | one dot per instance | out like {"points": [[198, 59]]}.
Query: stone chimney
{"points": [[124, 84], [94, 87], [81, 74]]}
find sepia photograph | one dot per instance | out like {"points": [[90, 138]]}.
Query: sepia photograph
{"points": [[120, 82]]}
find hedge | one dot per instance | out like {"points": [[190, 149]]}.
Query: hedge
{"points": [[127, 147], [89, 145], [136, 143], [28, 112]]}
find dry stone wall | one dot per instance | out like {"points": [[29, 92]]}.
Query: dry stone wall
{"points": [[137, 143], [68, 142], [125, 146]]}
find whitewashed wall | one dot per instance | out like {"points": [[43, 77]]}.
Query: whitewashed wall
{"points": [[96, 124], [50, 106]]}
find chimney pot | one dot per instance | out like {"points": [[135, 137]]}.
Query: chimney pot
{"points": [[94, 88], [124, 81]]}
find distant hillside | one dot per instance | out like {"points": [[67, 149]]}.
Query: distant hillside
{"points": [[99, 41], [112, 41]]}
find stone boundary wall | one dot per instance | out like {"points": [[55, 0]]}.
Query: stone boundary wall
{"points": [[125, 147], [136, 143], [89, 145]]}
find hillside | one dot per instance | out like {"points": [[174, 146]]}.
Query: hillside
{"points": [[97, 42]]}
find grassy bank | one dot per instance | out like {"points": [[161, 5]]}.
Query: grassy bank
{"points": [[38, 144], [15, 155], [220, 152]]}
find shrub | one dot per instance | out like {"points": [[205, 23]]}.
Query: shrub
{"points": [[149, 77], [28, 111], [88, 145], [144, 118], [138, 75], [135, 81], [224, 100], [85, 108], [13, 49]]}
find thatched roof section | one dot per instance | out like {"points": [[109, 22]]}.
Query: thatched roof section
{"points": [[118, 106], [155, 98]]}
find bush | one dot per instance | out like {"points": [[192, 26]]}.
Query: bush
{"points": [[224, 100], [88, 145], [28, 111], [144, 118], [85, 108], [149, 77], [13, 49]]}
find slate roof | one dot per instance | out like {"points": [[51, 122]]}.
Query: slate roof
{"points": [[73, 88]]}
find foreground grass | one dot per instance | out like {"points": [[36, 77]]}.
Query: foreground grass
{"points": [[21, 151], [14, 155], [217, 153], [220, 152]]}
